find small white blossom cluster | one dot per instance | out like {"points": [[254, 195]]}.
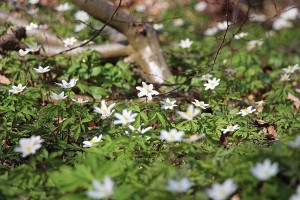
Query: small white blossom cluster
{"points": [[288, 71], [83, 17], [69, 42], [63, 7], [186, 43], [220, 26], [31, 26], [200, 6], [240, 35], [178, 22], [33, 2], [254, 43]]}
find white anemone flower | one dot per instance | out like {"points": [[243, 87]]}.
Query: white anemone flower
{"points": [[158, 27], [211, 31], [42, 70], [180, 186], [171, 136], [290, 13], [230, 128], [178, 22], [104, 111], [223, 25], [168, 104], [290, 69], [101, 190], [146, 90], [246, 111], [281, 23], [125, 118], [295, 144], [79, 27], [33, 48], [66, 85], [201, 6], [63, 7], [265, 170], [285, 77], [240, 35], [29, 145], [33, 2], [211, 84], [222, 191], [17, 89], [140, 8], [200, 104], [23, 52], [297, 195], [58, 97], [81, 16], [190, 113], [254, 43], [186, 43], [90, 143]]}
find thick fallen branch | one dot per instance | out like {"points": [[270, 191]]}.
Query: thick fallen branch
{"points": [[106, 50], [11, 40], [141, 36], [143, 46]]}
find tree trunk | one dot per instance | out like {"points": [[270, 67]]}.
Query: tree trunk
{"points": [[141, 36]]}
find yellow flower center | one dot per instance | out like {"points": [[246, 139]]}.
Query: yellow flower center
{"points": [[104, 110], [28, 148], [147, 89], [93, 141], [189, 114], [230, 127], [126, 117], [80, 100]]}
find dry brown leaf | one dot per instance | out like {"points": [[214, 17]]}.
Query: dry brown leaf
{"points": [[4, 80], [294, 99], [297, 90], [272, 133]]}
